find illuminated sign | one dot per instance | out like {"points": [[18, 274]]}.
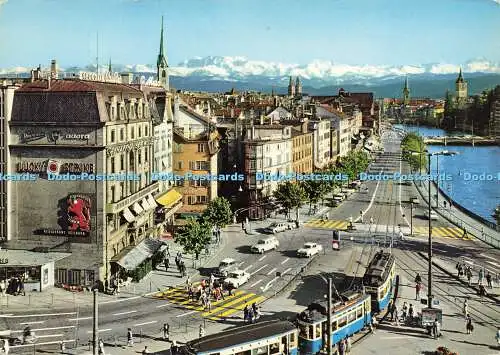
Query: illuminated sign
{"points": [[54, 167]]}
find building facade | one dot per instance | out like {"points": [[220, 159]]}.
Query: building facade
{"points": [[302, 142], [461, 90], [321, 143]]}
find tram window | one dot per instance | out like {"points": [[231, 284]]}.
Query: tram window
{"points": [[311, 332], [318, 330], [334, 325], [260, 351], [359, 312], [248, 352], [351, 317], [342, 322], [292, 338], [274, 348], [303, 331]]}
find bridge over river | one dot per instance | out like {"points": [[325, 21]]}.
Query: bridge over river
{"points": [[462, 140]]}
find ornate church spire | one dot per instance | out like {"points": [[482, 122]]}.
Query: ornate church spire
{"points": [[161, 63]]}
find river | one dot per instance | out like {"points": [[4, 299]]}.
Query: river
{"points": [[478, 196]]}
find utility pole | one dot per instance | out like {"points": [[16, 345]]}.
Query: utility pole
{"points": [[95, 325], [429, 276], [329, 317]]}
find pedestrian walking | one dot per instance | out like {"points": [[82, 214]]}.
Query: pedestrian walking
{"points": [[348, 344], [62, 347], [405, 309], [437, 328], [101, 347], [480, 277], [167, 251], [209, 304], [465, 232], [245, 314], [342, 347], [469, 275], [417, 291], [498, 336], [482, 291], [174, 349], [6, 346], [145, 351], [202, 331], [469, 326], [488, 280], [130, 337], [371, 220], [410, 312], [167, 264], [166, 331], [459, 269], [361, 215], [394, 311], [418, 278]]}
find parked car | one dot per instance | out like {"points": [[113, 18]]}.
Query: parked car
{"points": [[237, 278], [264, 245], [225, 267], [309, 250], [279, 227], [339, 197], [433, 217]]}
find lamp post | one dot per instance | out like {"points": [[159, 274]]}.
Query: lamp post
{"points": [[429, 208]]}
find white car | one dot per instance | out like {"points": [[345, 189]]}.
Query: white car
{"points": [[237, 278], [434, 216], [279, 227], [309, 250], [264, 245], [225, 266]]}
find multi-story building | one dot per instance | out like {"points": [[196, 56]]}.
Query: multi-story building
{"points": [[302, 141], [267, 151], [494, 125], [341, 125], [321, 142], [196, 143], [461, 90]]}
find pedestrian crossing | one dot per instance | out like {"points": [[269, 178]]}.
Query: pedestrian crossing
{"points": [[327, 224], [442, 232], [230, 306]]}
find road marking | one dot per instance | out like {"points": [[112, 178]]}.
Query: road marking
{"points": [[492, 263], [489, 257], [241, 263], [284, 261], [394, 337], [255, 284], [139, 324], [186, 314], [265, 288], [262, 257], [49, 336], [256, 271], [287, 270], [122, 299], [36, 315], [163, 305], [122, 313], [248, 267], [100, 330], [77, 319], [41, 329], [39, 322], [48, 343], [225, 306], [270, 272]]}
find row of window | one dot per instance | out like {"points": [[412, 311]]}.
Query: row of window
{"points": [[130, 110], [131, 135], [196, 200], [75, 277], [124, 189], [301, 140], [194, 165], [113, 168], [302, 154]]}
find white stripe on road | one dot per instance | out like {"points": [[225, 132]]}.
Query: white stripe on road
{"points": [[41, 329], [47, 343], [256, 271], [241, 263], [287, 270], [35, 315], [77, 319], [122, 313], [262, 258], [121, 300], [284, 261], [139, 324], [248, 267], [492, 263], [28, 323], [163, 305], [255, 284], [394, 337], [49, 336], [489, 257], [185, 314], [100, 330], [270, 272]]}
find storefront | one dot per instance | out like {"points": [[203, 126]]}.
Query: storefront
{"points": [[170, 202], [35, 269]]}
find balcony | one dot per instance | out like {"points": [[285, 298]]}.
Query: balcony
{"points": [[138, 196]]}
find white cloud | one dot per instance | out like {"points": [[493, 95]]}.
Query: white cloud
{"points": [[3, 2], [497, 1]]}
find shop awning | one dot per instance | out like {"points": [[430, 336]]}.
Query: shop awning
{"points": [[132, 256], [169, 199], [145, 205], [137, 208], [128, 215], [152, 201]]}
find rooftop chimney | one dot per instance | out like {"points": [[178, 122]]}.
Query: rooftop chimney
{"points": [[53, 69]]}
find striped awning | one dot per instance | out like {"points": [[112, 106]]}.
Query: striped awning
{"points": [[152, 201], [128, 215], [137, 208], [145, 204]]}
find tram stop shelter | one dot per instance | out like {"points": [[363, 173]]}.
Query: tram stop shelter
{"points": [[36, 267]]}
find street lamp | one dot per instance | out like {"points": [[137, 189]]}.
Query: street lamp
{"points": [[429, 271]]}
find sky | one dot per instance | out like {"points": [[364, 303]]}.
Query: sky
{"points": [[355, 32]]}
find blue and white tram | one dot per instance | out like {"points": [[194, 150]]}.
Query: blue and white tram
{"points": [[350, 314], [379, 279], [264, 338]]}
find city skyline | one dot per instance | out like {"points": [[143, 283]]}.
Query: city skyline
{"points": [[382, 34]]}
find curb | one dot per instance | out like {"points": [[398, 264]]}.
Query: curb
{"points": [[493, 298]]}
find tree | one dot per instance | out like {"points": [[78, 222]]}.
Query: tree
{"points": [[194, 236], [414, 142], [219, 212], [290, 196], [315, 190]]}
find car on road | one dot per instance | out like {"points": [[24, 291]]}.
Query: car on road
{"points": [[225, 267], [266, 244], [433, 216], [237, 278], [339, 197], [309, 249], [279, 227]]}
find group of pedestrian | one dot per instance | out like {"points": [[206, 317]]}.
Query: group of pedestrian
{"points": [[463, 268], [216, 233], [13, 286], [250, 315], [345, 345], [181, 266]]}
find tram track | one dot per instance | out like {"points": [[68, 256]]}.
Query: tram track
{"points": [[486, 317]]}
